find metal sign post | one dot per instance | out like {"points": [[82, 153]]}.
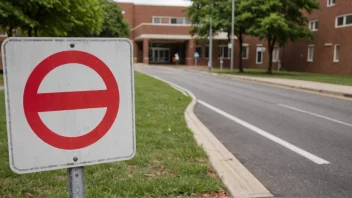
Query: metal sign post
{"points": [[76, 182], [74, 119]]}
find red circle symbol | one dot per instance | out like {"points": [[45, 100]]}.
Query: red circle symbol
{"points": [[34, 102]]}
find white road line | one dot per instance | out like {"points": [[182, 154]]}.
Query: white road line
{"points": [[271, 137], [314, 114]]}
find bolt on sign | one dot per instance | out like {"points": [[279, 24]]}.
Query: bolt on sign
{"points": [[69, 102]]}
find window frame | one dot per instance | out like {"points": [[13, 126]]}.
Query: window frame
{"points": [[175, 18], [201, 50], [330, 3], [335, 53], [206, 55], [221, 49], [185, 21], [156, 18], [344, 21], [314, 29], [278, 54], [256, 56], [310, 59], [247, 51]]}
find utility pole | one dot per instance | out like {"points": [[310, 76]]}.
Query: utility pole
{"points": [[211, 45], [232, 35]]}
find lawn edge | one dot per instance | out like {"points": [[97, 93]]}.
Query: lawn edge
{"points": [[237, 179], [341, 95]]}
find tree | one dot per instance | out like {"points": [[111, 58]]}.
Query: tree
{"points": [[221, 12], [87, 17], [279, 21], [12, 16], [114, 24], [52, 17]]}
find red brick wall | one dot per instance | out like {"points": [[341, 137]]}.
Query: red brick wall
{"points": [[136, 15], [128, 8], [129, 12], [295, 57], [253, 43], [145, 13], [161, 29]]}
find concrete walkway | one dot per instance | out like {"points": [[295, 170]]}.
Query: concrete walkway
{"points": [[331, 89]]}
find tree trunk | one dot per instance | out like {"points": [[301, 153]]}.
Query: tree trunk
{"points": [[240, 61], [271, 48], [29, 32]]}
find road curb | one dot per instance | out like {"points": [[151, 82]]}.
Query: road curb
{"points": [[249, 79], [237, 179]]}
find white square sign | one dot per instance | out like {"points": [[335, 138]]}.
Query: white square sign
{"points": [[69, 102]]}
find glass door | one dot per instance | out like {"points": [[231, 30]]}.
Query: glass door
{"points": [[161, 55]]}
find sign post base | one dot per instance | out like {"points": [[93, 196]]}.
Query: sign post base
{"points": [[76, 182]]}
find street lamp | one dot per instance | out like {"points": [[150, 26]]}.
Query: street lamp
{"points": [[210, 63], [232, 34], [210, 66], [123, 12]]}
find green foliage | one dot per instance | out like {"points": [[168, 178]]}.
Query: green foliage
{"points": [[200, 12], [279, 21], [114, 24], [87, 17], [11, 16], [63, 17], [221, 13]]}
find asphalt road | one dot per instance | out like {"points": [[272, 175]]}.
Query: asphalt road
{"points": [[297, 144]]}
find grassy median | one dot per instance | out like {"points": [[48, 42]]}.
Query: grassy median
{"points": [[168, 161], [324, 78]]}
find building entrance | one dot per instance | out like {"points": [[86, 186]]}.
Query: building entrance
{"points": [[160, 55]]}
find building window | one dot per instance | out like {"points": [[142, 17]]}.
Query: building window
{"points": [[187, 21], [276, 54], [344, 21], [313, 25], [245, 50], [310, 53], [207, 52], [224, 52], [199, 51], [156, 20], [337, 53], [331, 3], [171, 20], [260, 51], [165, 20]]}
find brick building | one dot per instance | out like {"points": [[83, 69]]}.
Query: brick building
{"points": [[158, 32], [330, 52]]}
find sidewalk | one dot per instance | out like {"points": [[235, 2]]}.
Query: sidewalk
{"points": [[337, 90]]}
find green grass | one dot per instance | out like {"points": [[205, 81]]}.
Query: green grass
{"points": [[168, 161], [324, 78]]}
